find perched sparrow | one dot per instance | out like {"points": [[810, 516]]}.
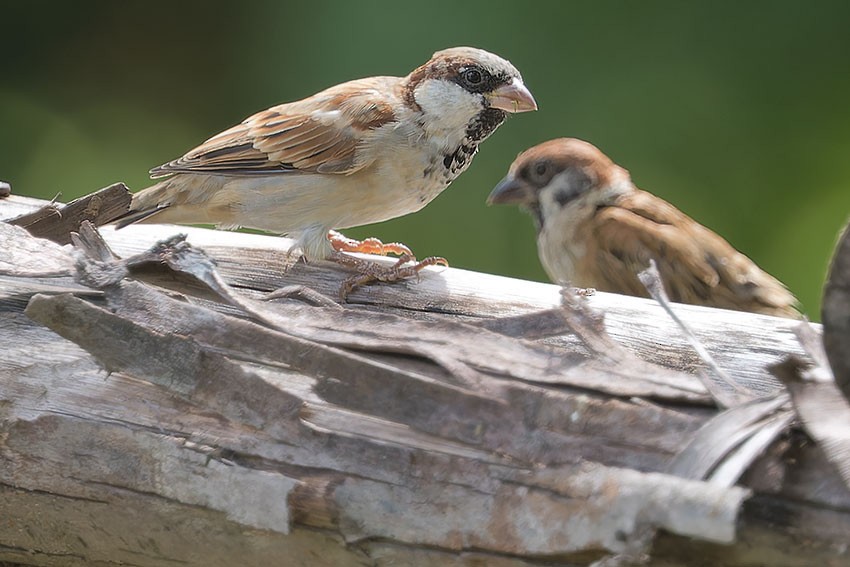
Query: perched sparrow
{"points": [[596, 229], [358, 153]]}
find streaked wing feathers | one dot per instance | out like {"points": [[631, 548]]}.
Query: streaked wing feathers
{"points": [[320, 134], [695, 268]]}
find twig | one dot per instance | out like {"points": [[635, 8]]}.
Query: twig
{"points": [[717, 386]]}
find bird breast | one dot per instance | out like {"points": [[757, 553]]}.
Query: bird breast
{"points": [[562, 239], [560, 253]]}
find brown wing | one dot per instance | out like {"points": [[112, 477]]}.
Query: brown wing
{"points": [[696, 265], [320, 134]]}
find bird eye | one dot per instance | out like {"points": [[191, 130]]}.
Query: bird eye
{"points": [[541, 168], [473, 76]]}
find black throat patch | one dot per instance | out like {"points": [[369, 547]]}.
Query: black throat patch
{"points": [[484, 124]]}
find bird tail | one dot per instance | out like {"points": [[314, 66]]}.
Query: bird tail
{"points": [[146, 203], [131, 217]]}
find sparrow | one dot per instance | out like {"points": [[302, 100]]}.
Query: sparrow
{"points": [[357, 153], [595, 229]]}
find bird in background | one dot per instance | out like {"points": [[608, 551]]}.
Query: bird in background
{"points": [[357, 153], [595, 229]]}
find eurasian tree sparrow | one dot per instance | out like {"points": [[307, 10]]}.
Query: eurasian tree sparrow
{"points": [[596, 229], [357, 153]]}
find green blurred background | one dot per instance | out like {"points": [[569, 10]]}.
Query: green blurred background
{"points": [[737, 112]]}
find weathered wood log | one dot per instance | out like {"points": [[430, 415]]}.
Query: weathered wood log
{"points": [[207, 426]]}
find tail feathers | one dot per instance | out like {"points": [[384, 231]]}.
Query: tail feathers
{"points": [[131, 217]]}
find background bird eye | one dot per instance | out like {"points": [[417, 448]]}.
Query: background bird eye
{"points": [[473, 76], [541, 168]]}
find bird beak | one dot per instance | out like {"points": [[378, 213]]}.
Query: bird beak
{"points": [[513, 98], [509, 191]]}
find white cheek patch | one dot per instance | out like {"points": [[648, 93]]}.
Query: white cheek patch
{"points": [[448, 105], [562, 195], [548, 206], [572, 191]]}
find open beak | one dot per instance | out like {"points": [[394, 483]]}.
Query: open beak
{"points": [[509, 191], [513, 98]]}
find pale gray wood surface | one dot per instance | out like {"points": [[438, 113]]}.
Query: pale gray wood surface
{"points": [[391, 432]]}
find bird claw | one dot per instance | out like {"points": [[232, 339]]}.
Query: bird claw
{"points": [[584, 291], [342, 243], [371, 271]]}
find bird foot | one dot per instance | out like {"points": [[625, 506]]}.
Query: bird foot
{"points": [[342, 243], [583, 291], [372, 271]]}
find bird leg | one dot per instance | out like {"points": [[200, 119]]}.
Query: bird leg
{"points": [[342, 243], [371, 271]]}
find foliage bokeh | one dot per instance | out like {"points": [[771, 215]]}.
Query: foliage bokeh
{"points": [[737, 112]]}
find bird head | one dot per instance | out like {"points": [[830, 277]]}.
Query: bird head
{"points": [[466, 89], [560, 176]]}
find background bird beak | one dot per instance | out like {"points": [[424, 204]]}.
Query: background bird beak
{"points": [[508, 191], [513, 98]]}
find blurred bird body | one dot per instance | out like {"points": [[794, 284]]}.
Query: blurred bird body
{"points": [[596, 229], [357, 153]]}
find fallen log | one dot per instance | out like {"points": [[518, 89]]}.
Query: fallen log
{"points": [[157, 407]]}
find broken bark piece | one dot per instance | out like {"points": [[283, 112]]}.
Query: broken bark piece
{"points": [[57, 222], [722, 437], [824, 412]]}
